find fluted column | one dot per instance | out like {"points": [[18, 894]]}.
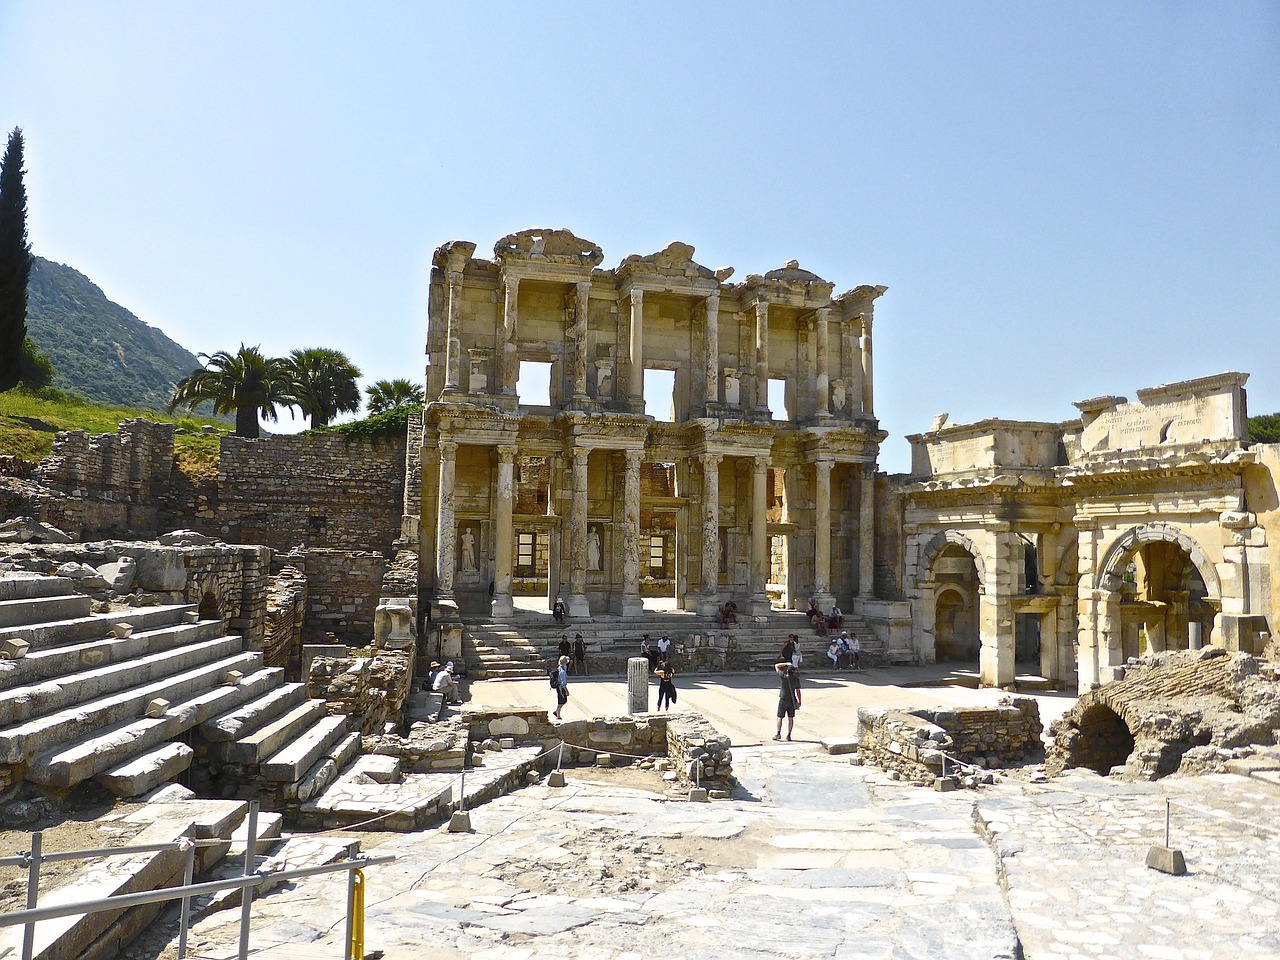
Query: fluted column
{"points": [[762, 356], [711, 389], [822, 379], [868, 392], [867, 532], [580, 308], [508, 361], [635, 354], [759, 535], [578, 606], [453, 344], [504, 533], [710, 533], [632, 605], [446, 523], [822, 532]]}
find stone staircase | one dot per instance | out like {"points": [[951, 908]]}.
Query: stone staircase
{"points": [[134, 697], [524, 647]]}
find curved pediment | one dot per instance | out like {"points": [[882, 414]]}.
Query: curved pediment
{"points": [[792, 272], [548, 246]]}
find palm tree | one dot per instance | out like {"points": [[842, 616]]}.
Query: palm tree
{"points": [[324, 383], [247, 382], [388, 394]]}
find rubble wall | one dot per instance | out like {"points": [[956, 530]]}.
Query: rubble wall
{"points": [[342, 594]]}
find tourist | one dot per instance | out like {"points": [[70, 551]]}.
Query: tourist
{"points": [[579, 655], [728, 613], [814, 613], [664, 647], [646, 651], [445, 685], [557, 611], [855, 652], [835, 619], [833, 653], [788, 649], [788, 697], [566, 648], [845, 650], [561, 685], [666, 674]]}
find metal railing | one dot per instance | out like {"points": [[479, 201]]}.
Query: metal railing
{"points": [[35, 857]]}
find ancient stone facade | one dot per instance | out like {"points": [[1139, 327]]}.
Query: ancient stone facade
{"points": [[578, 494], [1070, 547]]}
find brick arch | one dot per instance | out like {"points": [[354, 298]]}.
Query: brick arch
{"points": [[1133, 538], [953, 537]]}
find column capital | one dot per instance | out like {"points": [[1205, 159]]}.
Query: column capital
{"points": [[633, 457], [580, 455], [824, 463], [510, 282], [506, 453], [584, 287], [713, 301], [762, 307], [636, 296], [823, 314], [759, 464], [710, 460], [448, 449], [865, 318]]}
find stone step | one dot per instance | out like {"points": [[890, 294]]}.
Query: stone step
{"points": [[252, 715], [55, 662], [256, 745], [41, 733], [79, 629], [144, 772], [33, 610], [111, 746], [290, 764], [325, 770], [23, 703], [25, 586]]}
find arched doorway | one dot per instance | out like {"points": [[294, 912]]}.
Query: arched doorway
{"points": [[956, 634], [1165, 603], [1104, 741], [210, 608]]}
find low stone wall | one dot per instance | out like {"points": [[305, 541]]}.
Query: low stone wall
{"points": [[913, 745], [343, 588], [429, 747], [692, 742], [347, 686], [286, 608]]}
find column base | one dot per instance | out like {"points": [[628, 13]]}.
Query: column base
{"points": [[502, 607], [708, 606], [578, 606], [760, 606], [631, 607]]}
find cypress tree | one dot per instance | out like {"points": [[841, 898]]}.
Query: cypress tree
{"points": [[15, 262]]}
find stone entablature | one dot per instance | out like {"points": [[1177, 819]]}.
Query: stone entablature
{"points": [[738, 478]]}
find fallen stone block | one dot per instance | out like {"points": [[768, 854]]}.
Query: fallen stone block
{"points": [[184, 538], [839, 745], [119, 575], [122, 630], [11, 648], [160, 569], [157, 708]]}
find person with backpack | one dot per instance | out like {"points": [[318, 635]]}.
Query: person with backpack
{"points": [[559, 677], [666, 674], [788, 697]]}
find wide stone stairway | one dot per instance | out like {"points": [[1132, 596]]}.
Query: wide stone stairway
{"points": [[524, 646]]}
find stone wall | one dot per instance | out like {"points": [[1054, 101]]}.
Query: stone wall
{"points": [[347, 686], [890, 538], [286, 608], [913, 745], [318, 489], [343, 588]]}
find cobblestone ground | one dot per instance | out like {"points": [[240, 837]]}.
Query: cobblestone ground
{"points": [[813, 858]]}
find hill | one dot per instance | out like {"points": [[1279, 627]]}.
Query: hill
{"points": [[100, 351]]}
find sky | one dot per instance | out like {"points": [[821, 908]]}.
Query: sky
{"points": [[1065, 200]]}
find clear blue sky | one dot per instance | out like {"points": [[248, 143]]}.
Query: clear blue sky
{"points": [[1065, 200]]}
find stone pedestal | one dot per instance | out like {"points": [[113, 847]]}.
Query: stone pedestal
{"points": [[637, 685]]}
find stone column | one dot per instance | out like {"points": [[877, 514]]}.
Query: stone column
{"points": [[822, 533], [853, 370], [635, 353], [508, 359], [711, 389], [867, 532], [1004, 558], [578, 606], [637, 685], [581, 302], [762, 356], [759, 536], [446, 523], [632, 605], [821, 381], [868, 392], [710, 600], [453, 344], [504, 534]]}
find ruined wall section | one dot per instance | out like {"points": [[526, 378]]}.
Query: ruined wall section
{"points": [[343, 588]]}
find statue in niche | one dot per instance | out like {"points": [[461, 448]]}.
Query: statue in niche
{"points": [[838, 397], [604, 380], [593, 549], [468, 549], [731, 387]]}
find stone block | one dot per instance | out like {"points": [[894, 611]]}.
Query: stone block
{"points": [[555, 778], [122, 630], [160, 569], [119, 575], [11, 648], [1166, 860], [509, 726], [697, 795], [157, 707]]}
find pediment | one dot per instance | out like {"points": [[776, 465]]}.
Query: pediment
{"points": [[548, 246]]}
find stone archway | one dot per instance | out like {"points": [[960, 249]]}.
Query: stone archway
{"points": [[940, 541], [1134, 538]]}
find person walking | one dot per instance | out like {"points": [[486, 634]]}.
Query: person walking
{"points": [[788, 697], [560, 683], [666, 674], [579, 655]]}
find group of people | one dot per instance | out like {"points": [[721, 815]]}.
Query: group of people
{"points": [[574, 654], [823, 622], [846, 648]]}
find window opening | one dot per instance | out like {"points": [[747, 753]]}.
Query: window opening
{"points": [[778, 400], [660, 394], [534, 384]]}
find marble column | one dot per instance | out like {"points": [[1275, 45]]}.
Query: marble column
{"points": [[446, 523], [853, 370], [759, 536], [453, 344], [635, 354], [710, 599], [711, 389], [822, 533], [867, 531], [508, 360], [868, 392], [504, 534], [580, 317], [632, 605], [821, 380], [578, 606], [762, 356]]}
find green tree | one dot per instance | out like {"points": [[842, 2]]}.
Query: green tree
{"points": [[1265, 428], [35, 370], [324, 383], [15, 262], [245, 381], [388, 394]]}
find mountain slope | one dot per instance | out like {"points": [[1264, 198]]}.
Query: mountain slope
{"points": [[99, 349]]}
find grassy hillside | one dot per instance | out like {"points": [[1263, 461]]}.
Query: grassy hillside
{"points": [[99, 349], [29, 422]]}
